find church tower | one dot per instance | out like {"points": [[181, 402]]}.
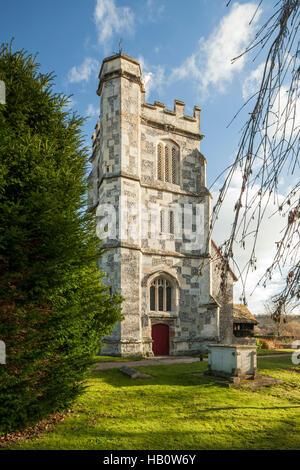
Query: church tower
{"points": [[148, 186]]}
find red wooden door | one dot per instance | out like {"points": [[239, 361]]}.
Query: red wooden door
{"points": [[160, 338]]}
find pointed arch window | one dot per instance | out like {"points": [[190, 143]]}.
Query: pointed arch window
{"points": [[161, 295], [168, 162]]}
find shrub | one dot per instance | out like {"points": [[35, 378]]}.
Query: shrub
{"points": [[265, 344], [269, 344]]}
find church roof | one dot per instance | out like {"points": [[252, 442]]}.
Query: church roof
{"points": [[241, 314]]}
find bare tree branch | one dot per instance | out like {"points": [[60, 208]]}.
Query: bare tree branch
{"points": [[268, 149]]}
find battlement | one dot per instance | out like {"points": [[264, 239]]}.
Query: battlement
{"points": [[176, 118]]}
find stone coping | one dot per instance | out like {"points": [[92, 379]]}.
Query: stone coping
{"points": [[120, 55]]}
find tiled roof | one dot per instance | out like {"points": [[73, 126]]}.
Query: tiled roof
{"points": [[241, 314]]}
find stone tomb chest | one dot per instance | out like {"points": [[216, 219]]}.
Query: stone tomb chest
{"points": [[234, 361]]}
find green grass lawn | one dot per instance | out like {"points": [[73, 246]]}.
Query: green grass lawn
{"points": [[262, 352], [177, 410]]}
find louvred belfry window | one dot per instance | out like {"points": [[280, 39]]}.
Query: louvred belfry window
{"points": [[168, 162], [174, 165], [160, 174]]}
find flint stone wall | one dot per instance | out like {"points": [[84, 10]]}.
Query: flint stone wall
{"points": [[124, 169]]}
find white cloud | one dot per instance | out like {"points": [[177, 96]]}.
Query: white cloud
{"points": [[285, 116], [154, 75], [252, 82], [84, 71], [210, 66], [111, 20], [92, 111], [269, 233], [155, 10], [71, 103]]}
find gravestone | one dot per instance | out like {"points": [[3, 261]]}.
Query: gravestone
{"points": [[133, 373], [233, 361]]}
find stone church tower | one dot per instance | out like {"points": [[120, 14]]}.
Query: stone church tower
{"points": [[148, 186]]}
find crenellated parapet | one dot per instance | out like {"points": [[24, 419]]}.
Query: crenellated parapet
{"points": [[171, 120]]}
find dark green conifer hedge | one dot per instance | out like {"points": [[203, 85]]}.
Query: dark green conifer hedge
{"points": [[53, 307]]}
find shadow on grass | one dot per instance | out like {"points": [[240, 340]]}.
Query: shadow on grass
{"points": [[175, 374], [275, 362], [178, 410], [213, 438], [262, 408], [181, 374]]}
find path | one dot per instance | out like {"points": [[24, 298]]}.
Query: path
{"points": [[152, 361]]}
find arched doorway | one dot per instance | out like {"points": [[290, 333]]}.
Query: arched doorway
{"points": [[160, 338]]}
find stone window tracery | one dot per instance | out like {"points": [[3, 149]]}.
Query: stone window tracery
{"points": [[160, 295]]}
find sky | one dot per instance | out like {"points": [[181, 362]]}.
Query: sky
{"points": [[187, 47]]}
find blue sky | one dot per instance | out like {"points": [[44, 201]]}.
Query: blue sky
{"points": [[163, 33], [186, 46]]}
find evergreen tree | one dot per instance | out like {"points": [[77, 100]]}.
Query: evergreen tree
{"points": [[53, 307]]}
